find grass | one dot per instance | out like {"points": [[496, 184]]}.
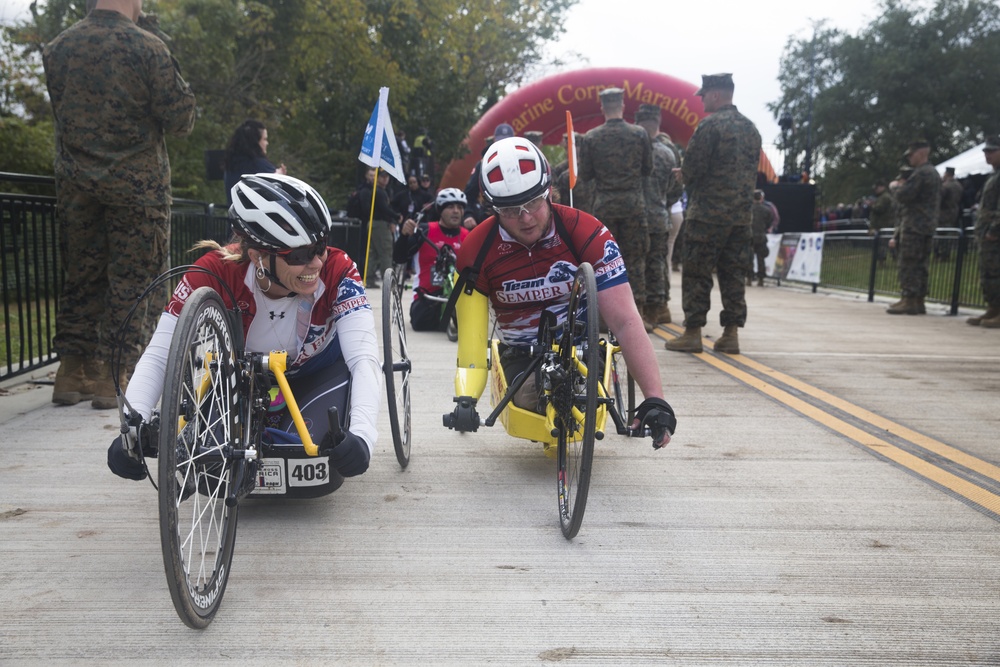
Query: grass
{"points": [[30, 327]]}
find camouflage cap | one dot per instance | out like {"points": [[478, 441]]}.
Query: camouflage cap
{"points": [[949, 170], [534, 136], [722, 81], [503, 131], [647, 112], [612, 96], [992, 142], [916, 146]]}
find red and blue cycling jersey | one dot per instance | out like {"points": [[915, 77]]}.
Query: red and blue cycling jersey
{"points": [[271, 323], [520, 281]]}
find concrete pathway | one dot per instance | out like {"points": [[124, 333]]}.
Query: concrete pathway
{"points": [[831, 497]]}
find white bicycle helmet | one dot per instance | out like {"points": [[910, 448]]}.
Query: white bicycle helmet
{"points": [[514, 171], [277, 212], [450, 196]]}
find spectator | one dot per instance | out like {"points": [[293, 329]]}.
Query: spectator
{"points": [[657, 188], [988, 234], [112, 187], [951, 200], [719, 172], [919, 198], [761, 221], [383, 221], [617, 156], [246, 154], [411, 200]]}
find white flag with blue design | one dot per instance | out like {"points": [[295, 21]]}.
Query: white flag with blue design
{"points": [[379, 149]]}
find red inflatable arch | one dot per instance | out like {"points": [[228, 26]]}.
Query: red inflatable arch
{"points": [[542, 105]]}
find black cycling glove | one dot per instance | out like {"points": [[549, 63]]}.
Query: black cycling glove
{"points": [[657, 414], [350, 456], [123, 461]]}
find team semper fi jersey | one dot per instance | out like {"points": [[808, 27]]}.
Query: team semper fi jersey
{"points": [[520, 282], [274, 323]]}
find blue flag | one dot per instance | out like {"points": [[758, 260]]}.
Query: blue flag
{"points": [[378, 148]]}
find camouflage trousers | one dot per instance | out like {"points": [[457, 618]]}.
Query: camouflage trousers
{"points": [[989, 271], [623, 212], [657, 265], [726, 249], [914, 257], [759, 250], [109, 254]]}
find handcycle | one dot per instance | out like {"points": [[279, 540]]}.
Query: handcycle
{"points": [[582, 380], [213, 446], [443, 275]]}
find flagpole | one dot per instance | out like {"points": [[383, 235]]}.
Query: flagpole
{"points": [[378, 150], [371, 216]]}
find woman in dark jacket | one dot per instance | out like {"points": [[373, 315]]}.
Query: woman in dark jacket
{"points": [[245, 154]]}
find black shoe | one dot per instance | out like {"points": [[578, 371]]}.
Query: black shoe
{"points": [[122, 464]]}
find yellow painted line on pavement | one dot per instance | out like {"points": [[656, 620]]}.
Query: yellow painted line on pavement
{"points": [[961, 487]]}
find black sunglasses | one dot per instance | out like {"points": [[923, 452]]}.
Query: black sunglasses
{"points": [[302, 256]]}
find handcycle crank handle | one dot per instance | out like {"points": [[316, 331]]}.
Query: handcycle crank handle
{"points": [[336, 432]]}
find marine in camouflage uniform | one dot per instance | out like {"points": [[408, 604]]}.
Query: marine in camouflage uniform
{"points": [[761, 219], [116, 92], [657, 189], [719, 171], [919, 198], [616, 156], [987, 233]]}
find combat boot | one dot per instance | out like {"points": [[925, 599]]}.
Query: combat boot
{"points": [[658, 314], [760, 281], [991, 323], [908, 305], [72, 384], [689, 342], [990, 313], [645, 321], [105, 397], [729, 342]]}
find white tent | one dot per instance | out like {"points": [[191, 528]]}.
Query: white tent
{"points": [[969, 163]]}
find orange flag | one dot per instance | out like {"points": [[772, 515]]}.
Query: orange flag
{"points": [[570, 149]]}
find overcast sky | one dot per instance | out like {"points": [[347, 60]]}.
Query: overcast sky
{"points": [[687, 39]]}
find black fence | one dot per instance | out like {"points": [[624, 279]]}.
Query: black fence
{"points": [[858, 261], [31, 270]]}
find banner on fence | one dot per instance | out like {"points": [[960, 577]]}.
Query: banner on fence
{"points": [[799, 257]]}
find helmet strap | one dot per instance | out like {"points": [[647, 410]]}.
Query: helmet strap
{"points": [[274, 275]]}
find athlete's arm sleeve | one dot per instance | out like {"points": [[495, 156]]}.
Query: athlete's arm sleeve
{"points": [[360, 347], [472, 311], [146, 385]]}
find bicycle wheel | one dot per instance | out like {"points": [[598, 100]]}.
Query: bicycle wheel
{"points": [[396, 366], [576, 395], [198, 426]]}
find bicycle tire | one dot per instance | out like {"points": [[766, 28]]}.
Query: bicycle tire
{"points": [[575, 453], [197, 525], [396, 367]]}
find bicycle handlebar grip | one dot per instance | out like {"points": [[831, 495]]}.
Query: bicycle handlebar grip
{"points": [[464, 418], [336, 432]]}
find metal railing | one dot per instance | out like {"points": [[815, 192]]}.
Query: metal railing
{"points": [[31, 271], [859, 261]]}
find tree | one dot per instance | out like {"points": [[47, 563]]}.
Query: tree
{"points": [[913, 73], [311, 71]]}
